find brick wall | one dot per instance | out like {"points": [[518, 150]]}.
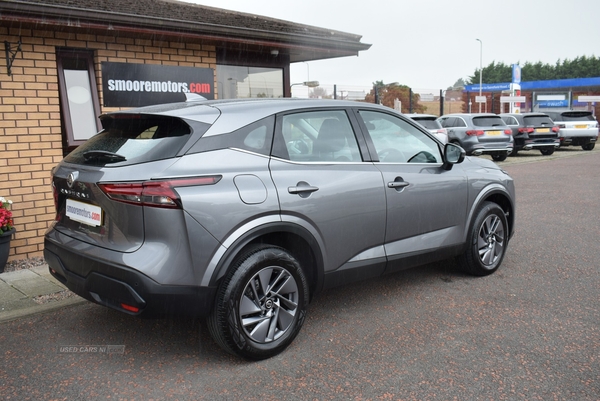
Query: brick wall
{"points": [[31, 137]]}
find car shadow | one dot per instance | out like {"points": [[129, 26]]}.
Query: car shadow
{"points": [[183, 339]]}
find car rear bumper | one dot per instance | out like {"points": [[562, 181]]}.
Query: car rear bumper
{"points": [[125, 289], [577, 140], [538, 143]]}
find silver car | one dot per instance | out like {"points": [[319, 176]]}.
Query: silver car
{"points": [[241, 211], [483, 133]]}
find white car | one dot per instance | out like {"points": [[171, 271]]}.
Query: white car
{"points": [[576, 128], [429, 121]]}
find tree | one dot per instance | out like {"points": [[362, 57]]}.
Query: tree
{"points": [[387, 93], [319, 93], [580, 67]]}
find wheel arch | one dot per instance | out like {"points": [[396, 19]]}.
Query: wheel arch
{"points": [[293, 238], [498, 195]]}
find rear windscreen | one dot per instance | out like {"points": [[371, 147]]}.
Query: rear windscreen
{"points": [[488, 121], [129, 139], [572, 116], [430, 124], [534, 121]]}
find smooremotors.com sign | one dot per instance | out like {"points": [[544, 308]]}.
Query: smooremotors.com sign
{"points": [[134, 85]]}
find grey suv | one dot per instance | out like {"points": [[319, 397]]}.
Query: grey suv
{"points": [[577, 128], [242, 211], [532, 131], [479, 134]]}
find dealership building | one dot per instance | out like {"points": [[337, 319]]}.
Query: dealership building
{"points": [[69, 61]]}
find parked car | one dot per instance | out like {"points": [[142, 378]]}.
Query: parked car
{"points": [[241, 211], [532, 131], [483, 133], [430, 122], [577, 128]]}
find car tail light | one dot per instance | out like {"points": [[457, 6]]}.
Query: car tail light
{"points": [[526, 130], [508, 131], [555, 129], [475, 132], [153, 193]]}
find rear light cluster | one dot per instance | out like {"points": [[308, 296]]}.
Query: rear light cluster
{"points": [[530, 130], [153, 193]]}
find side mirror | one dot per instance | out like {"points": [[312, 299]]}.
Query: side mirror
{"points": [[453, 154]]}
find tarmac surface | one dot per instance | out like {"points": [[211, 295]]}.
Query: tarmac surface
{"points": [[531, 331]]}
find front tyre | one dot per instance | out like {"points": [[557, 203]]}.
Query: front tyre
{"points": [[486, 242], [261, 304]]}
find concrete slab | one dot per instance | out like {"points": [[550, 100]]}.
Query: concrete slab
{"points": [[30, 283], [9, 293]]}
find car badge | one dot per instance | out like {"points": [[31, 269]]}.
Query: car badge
{"points": [[71, 178]]}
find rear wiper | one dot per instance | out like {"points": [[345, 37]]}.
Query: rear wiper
{"points": [[102, 155]]}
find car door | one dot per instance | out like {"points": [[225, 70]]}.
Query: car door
{"points": [[426, 204], [324, 185]]}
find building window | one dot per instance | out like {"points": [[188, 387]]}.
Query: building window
{"points": [[78, 96], [249, 82]]}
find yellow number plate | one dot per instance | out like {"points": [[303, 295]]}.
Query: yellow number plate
{"points": [[542, 130], [581, 126], [493, 132]]}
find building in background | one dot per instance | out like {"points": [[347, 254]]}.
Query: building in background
{"points": [[68, 61]]}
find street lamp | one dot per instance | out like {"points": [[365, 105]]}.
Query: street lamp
{"points": [[480, 70], [310, 84]]}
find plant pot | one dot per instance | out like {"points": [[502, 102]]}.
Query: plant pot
{"points": [[5, 247]]}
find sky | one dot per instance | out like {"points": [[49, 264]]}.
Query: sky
{"points": [[428, 45]]}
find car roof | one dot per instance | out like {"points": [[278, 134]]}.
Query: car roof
{"points": [[424, 116], [246, 111]]}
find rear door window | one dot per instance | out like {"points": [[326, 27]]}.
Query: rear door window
{"points": [[317, 136]]}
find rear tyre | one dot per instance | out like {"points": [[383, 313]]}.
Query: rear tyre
{"points": [[486, 242], [499, 157], [261, 304], [547, 152], [588, 146]]}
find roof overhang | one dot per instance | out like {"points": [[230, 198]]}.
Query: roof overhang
{"points": [[253, 34]]}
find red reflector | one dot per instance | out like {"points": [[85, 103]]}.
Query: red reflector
{"points": [[130, 308]]}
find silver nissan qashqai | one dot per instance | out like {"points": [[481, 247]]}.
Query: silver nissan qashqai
{"points": [[241, 211]]}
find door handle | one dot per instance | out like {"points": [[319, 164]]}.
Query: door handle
{"points": [[303, 189], [398, 184]]}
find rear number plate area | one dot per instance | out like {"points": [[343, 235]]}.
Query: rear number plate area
{"points": [[493, 133], [84, 213]]}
